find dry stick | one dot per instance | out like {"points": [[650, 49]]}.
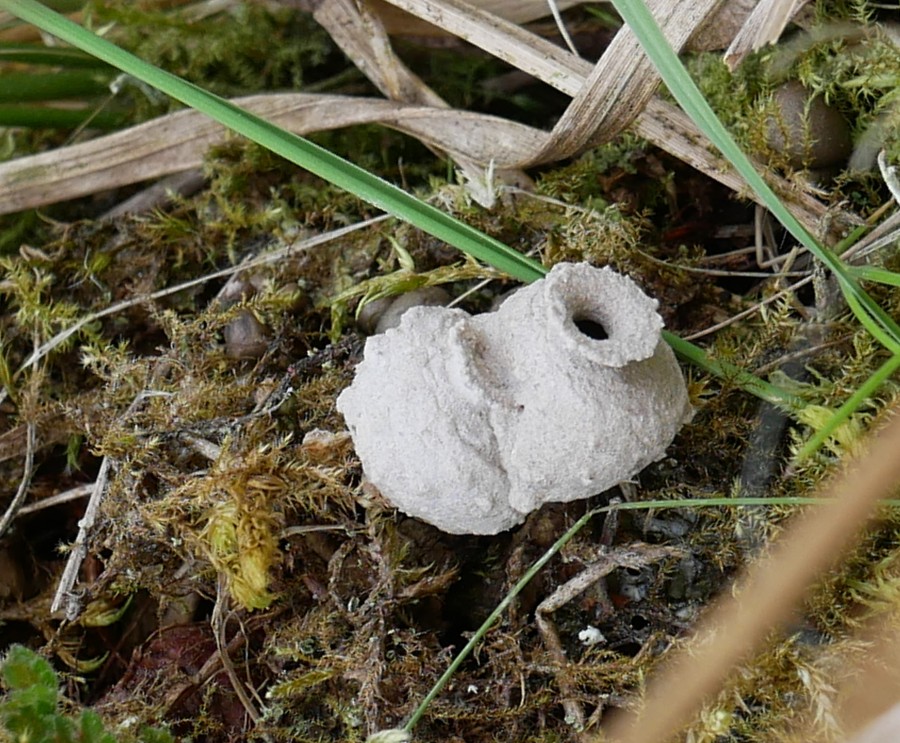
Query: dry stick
{"points": [[762, 371], [64, 597], [767, 595], [872, 682], [66, 496], [786, 292]]}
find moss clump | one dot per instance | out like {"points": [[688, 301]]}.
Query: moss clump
{"points": [[248, 48]]}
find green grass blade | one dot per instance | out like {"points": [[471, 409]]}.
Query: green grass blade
{"points": [[24, 87], [873, 273], [37, 117], [850, 406], [685, 91], [297, 150], [38, 54], [872, 327]]}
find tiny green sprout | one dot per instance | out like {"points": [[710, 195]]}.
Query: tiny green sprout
{"points": [[846, 438], [103, 613], [403, 257]]}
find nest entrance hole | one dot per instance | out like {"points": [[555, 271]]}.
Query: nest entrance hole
{"points": [[590, 327]]}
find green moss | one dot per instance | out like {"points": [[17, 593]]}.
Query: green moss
{"points": [[247, 48]]}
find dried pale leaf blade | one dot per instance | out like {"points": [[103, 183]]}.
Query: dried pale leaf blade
{"points": [[179, 141]]}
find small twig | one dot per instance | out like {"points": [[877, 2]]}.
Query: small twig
{"points": [[721, 272], [764, 237], [727, 256], [66, 496], [802, 353], [24, 483], [65, 598], [219, 622], [749, 311], [309, 529]]}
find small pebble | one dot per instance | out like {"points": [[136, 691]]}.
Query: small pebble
{"points": [[246, 337], [590, 635], [235, 290], [371, 312], [385, 313], [807, 131]]}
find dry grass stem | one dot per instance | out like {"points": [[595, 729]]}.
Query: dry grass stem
{"points": [[76, 493], [874, 678], [786, 292], [362, 36], [179, 141], [64, 598], [517, 11]]}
